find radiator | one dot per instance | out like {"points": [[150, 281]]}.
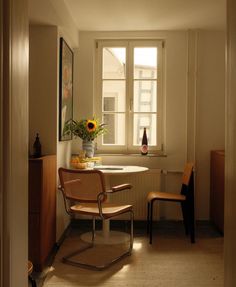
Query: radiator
{"points": [[142, 183]]}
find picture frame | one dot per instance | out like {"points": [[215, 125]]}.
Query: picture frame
{"points": [[65, 88]]}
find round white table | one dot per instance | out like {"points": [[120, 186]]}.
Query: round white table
{"points": [[120, 169], [107, 236]]}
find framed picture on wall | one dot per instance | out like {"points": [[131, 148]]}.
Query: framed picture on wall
{"points": [[65, 88]]}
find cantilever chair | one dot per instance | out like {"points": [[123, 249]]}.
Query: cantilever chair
{"points": [[185, 198], [86, 188]]}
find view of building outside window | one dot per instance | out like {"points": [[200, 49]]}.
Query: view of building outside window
{"points": [[115, 92], [145, 94]]}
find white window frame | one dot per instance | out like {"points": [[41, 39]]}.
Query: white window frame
{"points": [[130, 44]]}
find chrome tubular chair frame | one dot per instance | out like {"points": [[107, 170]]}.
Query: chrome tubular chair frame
{"points": [[67, 259], [100, 202]]}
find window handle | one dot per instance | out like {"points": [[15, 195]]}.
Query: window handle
{"points": [[131, 105]]}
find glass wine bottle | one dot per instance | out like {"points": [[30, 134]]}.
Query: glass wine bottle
{"points": [[37, 147], [144, 146]]}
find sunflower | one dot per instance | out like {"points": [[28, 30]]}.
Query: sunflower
{"points": [[91, 126], [86, 129]]}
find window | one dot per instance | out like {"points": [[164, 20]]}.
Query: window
{"points": [[129, 94]]}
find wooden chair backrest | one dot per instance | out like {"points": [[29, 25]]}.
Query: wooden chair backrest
{"points": [[188, 170], [187, 181], [81, 185]]}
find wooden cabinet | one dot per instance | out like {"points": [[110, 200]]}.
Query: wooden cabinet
{"points": [[42, 209], [217, 188]]}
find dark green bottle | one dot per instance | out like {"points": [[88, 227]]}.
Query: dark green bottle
{"points": [[37, 147]]}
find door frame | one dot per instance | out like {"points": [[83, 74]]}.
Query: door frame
{"points": [[14, 41], [1, 161]]}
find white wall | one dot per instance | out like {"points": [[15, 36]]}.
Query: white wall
{"points": [[179, 100], [63, 147], [208, 102], [176, 71], [175, 90], [43, 87], [210, 111], [44, 101], [54, 13]]}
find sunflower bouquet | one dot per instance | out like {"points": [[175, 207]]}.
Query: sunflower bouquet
{"points": [[85, 129]]}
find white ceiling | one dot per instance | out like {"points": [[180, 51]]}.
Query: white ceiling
{"points": [[127, 15], [130, 15]]}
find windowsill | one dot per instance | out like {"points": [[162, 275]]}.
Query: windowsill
{"points": [[131, 154]]}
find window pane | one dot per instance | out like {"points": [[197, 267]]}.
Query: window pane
{"points": [[114, 61], [142, 121], [145, 96], [145, 63], [116, 129], [113, 96]]}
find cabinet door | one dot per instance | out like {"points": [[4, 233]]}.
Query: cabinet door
{"points": [[35, 185], [48, 209], [34, 240], [42, 209], [217, 189]]}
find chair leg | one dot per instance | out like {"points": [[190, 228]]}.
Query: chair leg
{"points": [[151, 217], [68, 259], [32, 281], [148, 219], [131, 231], [93, 231], [192, 222], [191, 219], [192, 233], [185, 217]]}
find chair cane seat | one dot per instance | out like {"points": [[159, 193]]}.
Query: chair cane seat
{"points": [[108, 209], [165, 196]]}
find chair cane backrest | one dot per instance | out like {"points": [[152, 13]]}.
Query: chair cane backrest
{"points": [[81, 185]]}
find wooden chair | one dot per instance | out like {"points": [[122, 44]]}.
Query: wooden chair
{"points": [[30, 270], [185, 198], [86, 188]]}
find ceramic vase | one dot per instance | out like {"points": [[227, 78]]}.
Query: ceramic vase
{"points": [[88, 147]]}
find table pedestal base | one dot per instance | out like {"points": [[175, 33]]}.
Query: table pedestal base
{"points": [[114, 237]]}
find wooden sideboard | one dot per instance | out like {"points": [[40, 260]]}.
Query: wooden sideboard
{"points": [[42, 209], [217, 193]]}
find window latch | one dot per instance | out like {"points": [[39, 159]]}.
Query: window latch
{"points": [[131, 105]]}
